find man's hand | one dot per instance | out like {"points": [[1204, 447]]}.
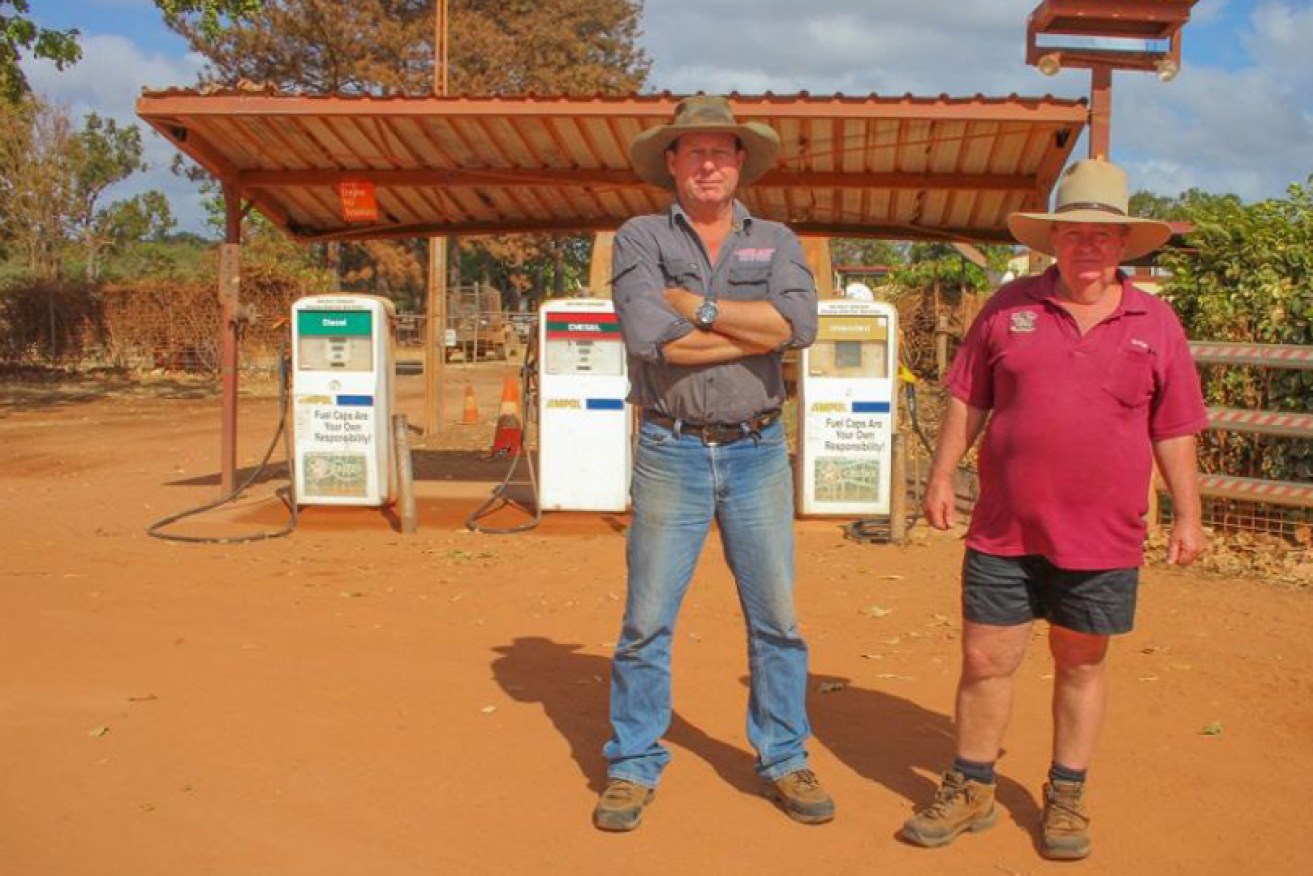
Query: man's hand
{"points": [[958, 431], [1176, 462], [1185, 544], [940, 504]]}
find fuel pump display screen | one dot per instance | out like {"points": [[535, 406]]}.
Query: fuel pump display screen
{"points": [[605, 358], [584, 343], [850, 346], [335, 340]]}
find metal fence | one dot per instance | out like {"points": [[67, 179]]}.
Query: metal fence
{"points": [[1277, 507]]}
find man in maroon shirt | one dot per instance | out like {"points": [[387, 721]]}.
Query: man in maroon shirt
{"points": [[1084, 380]]}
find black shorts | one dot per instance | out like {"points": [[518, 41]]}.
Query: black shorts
{"points": [[1007, 591]]}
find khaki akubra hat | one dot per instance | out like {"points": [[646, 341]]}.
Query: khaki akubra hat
{"points": [[1092, 190], [703, 114]]}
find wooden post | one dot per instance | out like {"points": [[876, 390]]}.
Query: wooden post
{"points": [[1100, 111], [435, 331], [817, 252], [898, 490], [435, 301], [230, 278], [599, 264]]}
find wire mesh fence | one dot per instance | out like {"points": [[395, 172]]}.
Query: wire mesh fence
{"points": [[169, 327]]}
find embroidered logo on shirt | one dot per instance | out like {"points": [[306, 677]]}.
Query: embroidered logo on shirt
{"points": [[1023, 322], [1137, 344], [755, 255]]}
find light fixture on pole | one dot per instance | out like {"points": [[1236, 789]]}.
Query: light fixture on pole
{"points": [[1102, 36]]}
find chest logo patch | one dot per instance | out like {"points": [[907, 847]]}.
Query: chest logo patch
{"points": [[757, 256], [1023, 322]]}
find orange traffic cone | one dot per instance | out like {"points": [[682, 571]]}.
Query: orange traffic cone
{"points": [[509, 434], [471, 415]]}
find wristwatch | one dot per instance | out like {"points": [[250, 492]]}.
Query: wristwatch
{"points": [[705, 316]]}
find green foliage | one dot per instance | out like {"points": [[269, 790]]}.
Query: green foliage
{"points": [[863, 252], [210, 14], [53, 182], [579, 47], [939, 264], [1179, 208], [19, 34], [1249, 278]]}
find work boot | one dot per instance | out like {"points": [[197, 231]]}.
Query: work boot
{"points": [[960, 804], [1066, 826], [620, 806], [801, 796]]}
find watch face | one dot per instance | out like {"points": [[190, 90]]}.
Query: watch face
{"points": [[707, 313]]}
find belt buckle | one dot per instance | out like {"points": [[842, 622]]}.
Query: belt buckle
{"points": [[718, 436]]}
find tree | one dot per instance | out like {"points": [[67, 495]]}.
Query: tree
{"points": [[53, 181], [19, 34], [864, 252], [940, 265], [144, 217], [580, 47], [1175, 209], [1247, 277], [101, 154], [35, 194], [509, 47]]}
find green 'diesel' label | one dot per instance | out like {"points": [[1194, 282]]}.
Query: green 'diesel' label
{"points": [[338, 323]]}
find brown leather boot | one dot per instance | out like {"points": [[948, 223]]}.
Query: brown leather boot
{"points": [[960, 805], [620, 806], [801, 796], [1066, 826]]}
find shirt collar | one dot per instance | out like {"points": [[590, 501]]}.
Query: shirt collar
{"points": [[742, 218], [1046, 290]]}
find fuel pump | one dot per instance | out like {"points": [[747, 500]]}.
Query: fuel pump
{"points": [[584, 423], [846, 410], [343, 391]]}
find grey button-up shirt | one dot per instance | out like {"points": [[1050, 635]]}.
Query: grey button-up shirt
{"points": [[759, 261]]}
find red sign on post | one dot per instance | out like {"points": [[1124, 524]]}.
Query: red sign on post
{"points": [[358, 202]]}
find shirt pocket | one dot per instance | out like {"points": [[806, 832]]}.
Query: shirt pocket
{"points": [[748, 282], [683, 274], [1130, 377]]}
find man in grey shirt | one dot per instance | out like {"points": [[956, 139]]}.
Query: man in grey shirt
{"points": [[708, 299]]}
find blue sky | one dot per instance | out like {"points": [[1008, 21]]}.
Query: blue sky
{"points": [[1238, 118]]}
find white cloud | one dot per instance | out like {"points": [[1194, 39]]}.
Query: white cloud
{"points": [[1245, 130], [1243, 123], [107, 81]]}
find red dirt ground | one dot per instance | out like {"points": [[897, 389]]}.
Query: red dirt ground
{"points": [[350, 700]]}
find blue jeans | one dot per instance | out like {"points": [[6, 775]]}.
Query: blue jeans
{"points": [[679, 486]]}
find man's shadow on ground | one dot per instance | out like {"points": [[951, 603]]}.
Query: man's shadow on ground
{"points": [[898, 744], [882, 737], [574, 688]]}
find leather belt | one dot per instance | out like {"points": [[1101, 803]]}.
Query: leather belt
{"points": [[715, 434]]}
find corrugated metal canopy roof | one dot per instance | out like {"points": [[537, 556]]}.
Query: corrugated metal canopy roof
{"points": [[902, 168]]}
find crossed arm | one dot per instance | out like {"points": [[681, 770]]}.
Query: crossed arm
{"points": [[743, 328]]}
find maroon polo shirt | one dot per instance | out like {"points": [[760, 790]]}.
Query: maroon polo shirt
{"points": [[1068, 449]]}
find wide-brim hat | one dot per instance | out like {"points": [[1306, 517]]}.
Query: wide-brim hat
{"points": [[1092, 190], [703, 114]]}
